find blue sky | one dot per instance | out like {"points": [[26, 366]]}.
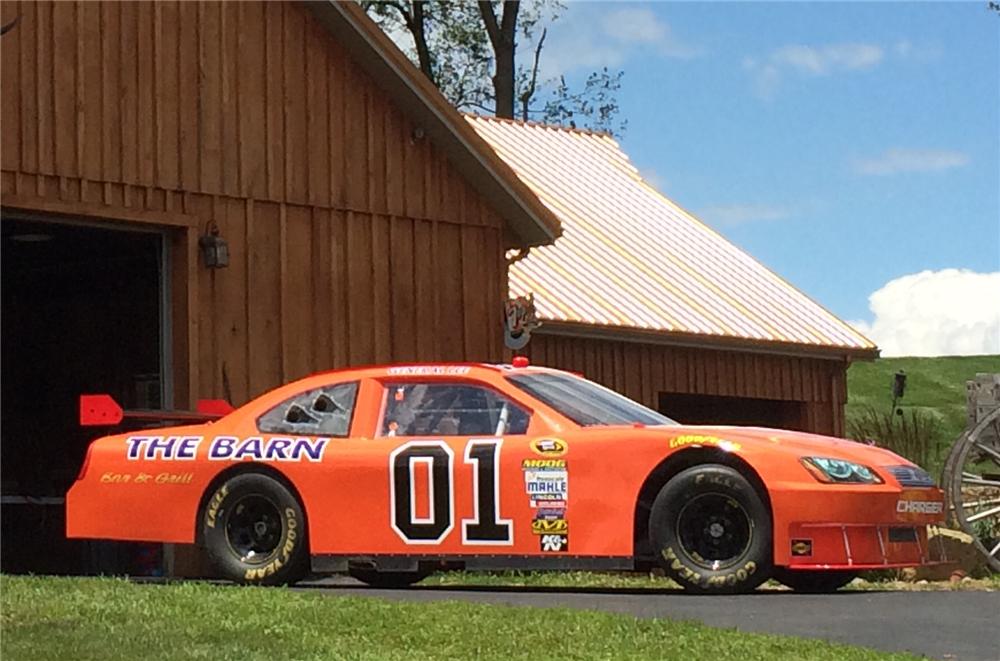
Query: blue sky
{"points": [[848, 146]]}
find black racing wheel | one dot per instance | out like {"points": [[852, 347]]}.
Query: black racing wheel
{"points": [[711, 531], [254, 531]]}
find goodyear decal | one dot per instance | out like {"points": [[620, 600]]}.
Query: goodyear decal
{"points": [[698, 439]]}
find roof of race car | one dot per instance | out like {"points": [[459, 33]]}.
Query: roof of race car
{"points": [[629, 257]]}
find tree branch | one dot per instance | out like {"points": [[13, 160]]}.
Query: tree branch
{"points": [[490, 20], [530, 91]]}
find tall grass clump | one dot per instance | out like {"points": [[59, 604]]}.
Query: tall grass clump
{"points": [[912, 435]]}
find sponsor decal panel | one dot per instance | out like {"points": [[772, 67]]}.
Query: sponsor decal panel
{"points": [[546, 482]]}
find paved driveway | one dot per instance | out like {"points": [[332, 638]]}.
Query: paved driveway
{"points": [[943, 625]]}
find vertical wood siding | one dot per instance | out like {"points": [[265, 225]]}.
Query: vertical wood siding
{"points": [[643, 371], [351, 242]]}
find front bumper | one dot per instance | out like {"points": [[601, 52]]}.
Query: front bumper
{"points": [[855, 527]]}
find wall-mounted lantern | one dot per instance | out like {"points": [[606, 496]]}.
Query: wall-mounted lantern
{"points": [[214, 249]]}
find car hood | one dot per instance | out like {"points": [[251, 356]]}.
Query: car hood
{"points": [[802, 444]]}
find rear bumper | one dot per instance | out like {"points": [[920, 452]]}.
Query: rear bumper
{"points": [[877, 527]]}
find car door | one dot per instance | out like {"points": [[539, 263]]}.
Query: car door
{"points": [[441, 474]]}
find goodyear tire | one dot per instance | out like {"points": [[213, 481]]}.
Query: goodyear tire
{"points": [[711, 531], [254, 531], [387, 579], [813, 582]]}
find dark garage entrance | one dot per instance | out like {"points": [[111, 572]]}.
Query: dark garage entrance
{"points": [[717, 410], [82, 313]]}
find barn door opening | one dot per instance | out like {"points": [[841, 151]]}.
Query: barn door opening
{"points": [[83, 312], [717, 410]]}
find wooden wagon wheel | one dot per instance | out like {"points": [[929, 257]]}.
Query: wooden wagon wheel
{"points": [[972, 482]]}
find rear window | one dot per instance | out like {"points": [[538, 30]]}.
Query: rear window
{"points": [[585, 402]]}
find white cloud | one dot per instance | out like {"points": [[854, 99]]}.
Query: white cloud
{"points": [[824, 60], [653, 178], [895, 161], [767, 72], [641, 26], [589, 36], [951, 312], [740, 214]]}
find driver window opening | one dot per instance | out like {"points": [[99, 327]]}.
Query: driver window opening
{"points": [[447, 409]]}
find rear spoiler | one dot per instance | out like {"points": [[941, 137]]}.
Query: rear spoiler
{"points": [[103, 411]]}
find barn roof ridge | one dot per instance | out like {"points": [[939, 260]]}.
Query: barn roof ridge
{"points": [[543, 125], [493, 178]]}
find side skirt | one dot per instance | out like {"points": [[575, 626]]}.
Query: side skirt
{"points": [[328, 564]]}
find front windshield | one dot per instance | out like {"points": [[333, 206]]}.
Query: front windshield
{"points": [[586, 403]]}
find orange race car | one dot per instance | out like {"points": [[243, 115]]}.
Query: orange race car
{"points": [[393, 472]]}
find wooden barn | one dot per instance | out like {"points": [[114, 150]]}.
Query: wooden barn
{"points": [[640, 295], [144, 145], [206, 199]]}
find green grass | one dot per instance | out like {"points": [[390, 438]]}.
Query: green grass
{"points": [[933, 385], [88, 618]]}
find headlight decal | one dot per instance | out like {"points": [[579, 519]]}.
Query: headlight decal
{"points": [[840, 471]]}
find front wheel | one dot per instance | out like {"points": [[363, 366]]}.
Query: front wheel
{"points": [[254, 531], [813, 582], [711, 531]]}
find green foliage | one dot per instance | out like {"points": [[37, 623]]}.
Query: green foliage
{"points": [[934, 386], [460, 60], [595, 105], [87, 618], [912, 435]]}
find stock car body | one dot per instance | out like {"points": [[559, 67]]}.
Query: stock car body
{"points": [[392, 472]]}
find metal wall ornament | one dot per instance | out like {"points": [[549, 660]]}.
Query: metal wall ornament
{"points": [[214, 249], [519, 320]]}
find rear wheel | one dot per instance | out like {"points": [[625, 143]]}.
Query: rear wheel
{"points": [[254, 531], [813, 582], [711, 531]]}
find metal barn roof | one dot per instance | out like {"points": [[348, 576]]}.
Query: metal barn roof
{"points": [[630, 258]]}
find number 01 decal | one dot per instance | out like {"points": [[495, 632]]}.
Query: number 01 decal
{"points": [[484, 528]]}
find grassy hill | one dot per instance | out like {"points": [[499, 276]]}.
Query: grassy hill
{"points": [[934, 385]]}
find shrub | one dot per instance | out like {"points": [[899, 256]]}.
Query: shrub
{"points": [[911, 435]]}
